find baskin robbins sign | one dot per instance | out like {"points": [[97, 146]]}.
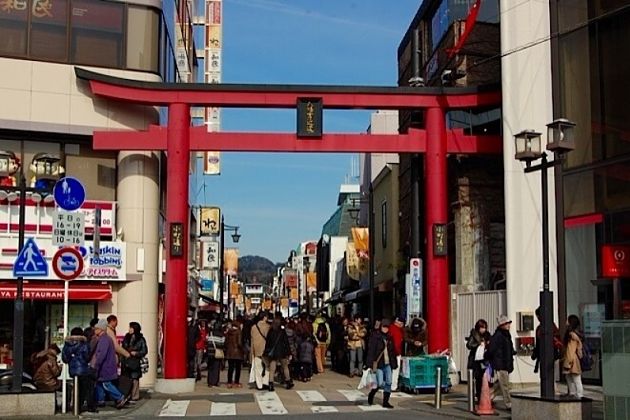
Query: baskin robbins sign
{"points": [[109, 265]]}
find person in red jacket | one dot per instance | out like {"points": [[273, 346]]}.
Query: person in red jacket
{"points": [[397, 334]]}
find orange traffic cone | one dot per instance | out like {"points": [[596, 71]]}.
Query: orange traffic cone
{"points": [[485, 402]]}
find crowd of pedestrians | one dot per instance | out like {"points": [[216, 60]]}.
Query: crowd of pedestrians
{"points": [[94, 356], [280, 351]]}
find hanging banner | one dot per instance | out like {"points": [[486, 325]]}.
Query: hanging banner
{"points": [[290, 278], [209, 221], [209, 254], [361, 239], [311, 282], [230, 261], [211, 163], [355, 266], [234, 290]]}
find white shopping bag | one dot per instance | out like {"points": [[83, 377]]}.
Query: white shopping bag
{"points": [[365, 379]]}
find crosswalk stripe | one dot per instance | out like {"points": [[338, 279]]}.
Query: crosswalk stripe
{"points": [[317, 409], [311, 396], [174, 408], [222, 409], [270, 403], [400, 395], [352, 394], [372, 407]]}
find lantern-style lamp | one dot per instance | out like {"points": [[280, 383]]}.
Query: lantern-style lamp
{"points": [[236, 236], [560, 136], [528, 146]]}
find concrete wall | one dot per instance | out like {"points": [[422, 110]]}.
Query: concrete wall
{"points": [[527, 103]]}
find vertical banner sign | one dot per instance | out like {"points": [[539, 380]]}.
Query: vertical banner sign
{"points": [[440, 248], [210, 218], [176, 240], [230, 261], [211, 163], [209, 254], [414, 288], [309, 117]]}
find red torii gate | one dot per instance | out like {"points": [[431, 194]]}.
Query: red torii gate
{"points": [[178, 138]]}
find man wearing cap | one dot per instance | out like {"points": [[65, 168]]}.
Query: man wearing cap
{"points": [[105, 366], [501, 353]]}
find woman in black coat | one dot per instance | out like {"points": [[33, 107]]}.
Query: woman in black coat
{"points": [[277, 349], [479, 336], [136, 345], [215, 350], [381, 358]]}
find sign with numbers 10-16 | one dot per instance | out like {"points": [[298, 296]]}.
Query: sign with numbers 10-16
{"points": [[68, 228]]}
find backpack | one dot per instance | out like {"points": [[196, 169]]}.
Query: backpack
{"points": [[586, 361], [322, 332]]}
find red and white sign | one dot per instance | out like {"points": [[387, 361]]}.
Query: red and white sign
{"points": [[67, 263], [615, 261], [39, 216]]}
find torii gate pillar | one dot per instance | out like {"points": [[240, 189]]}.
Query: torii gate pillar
{"points": [[176, 308]]}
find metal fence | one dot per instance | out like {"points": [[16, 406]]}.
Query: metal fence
{"points": [[470, 307]]}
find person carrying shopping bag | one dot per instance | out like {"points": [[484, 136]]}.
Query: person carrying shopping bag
{"points": [[382, 358]]}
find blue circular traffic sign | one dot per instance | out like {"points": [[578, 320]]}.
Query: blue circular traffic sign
{"points": [[69, 193]]}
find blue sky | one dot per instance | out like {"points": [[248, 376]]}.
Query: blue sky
{"points": [[278, 199]]}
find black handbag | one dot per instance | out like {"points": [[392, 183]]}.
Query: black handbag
{"points": [[133, 364]]}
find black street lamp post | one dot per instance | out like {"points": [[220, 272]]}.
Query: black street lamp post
{"points": [[9, 193], [528, 149], [235, 238]]}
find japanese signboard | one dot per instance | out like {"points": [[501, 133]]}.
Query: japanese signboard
{"points": [[309, 117], [68, 228]]}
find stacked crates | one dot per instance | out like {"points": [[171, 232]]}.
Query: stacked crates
{"points": [[421, 373]]}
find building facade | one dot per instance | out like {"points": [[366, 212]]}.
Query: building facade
{"points": [[47, 118]]}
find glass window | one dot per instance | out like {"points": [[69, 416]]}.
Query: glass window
{"points": [[13, 27], [49, 30], [579, 194], [142, 38], [96, 170], [97, 33]]}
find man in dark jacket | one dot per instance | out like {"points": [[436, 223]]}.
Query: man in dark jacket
{"points": [[501, 353], [105, 364], [76, 353], [277, 350], [381, 357]]}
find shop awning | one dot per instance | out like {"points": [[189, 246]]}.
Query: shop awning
{"points": [[352, 296], [49, 291]]}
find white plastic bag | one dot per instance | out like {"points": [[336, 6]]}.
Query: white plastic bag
{"points": [[365, 379], [481, 350], [373, 381]]}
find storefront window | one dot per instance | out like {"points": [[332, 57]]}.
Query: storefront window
{"points": [[79, 315], [142, 38], [13, 28], [97, 32], [49, 30]]}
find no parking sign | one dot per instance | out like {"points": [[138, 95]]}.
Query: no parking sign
{"points": [[67, 263]]}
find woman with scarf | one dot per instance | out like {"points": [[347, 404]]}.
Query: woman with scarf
{"points": [[136, 345], [381, 356], [477, 342]]}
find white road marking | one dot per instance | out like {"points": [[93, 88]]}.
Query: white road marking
{"points": [[270, 403], [223, 409], [353, 395], [372, 407], [311, 396], [324, 409], [174, 408], [402, 395]]}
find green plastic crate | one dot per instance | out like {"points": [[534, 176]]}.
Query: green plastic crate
{"points": [[422, 372]]}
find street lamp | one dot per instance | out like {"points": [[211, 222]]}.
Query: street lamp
{"points": [[235, 238], [528, 149], [8, 160]]}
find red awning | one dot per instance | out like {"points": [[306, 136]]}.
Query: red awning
{"points": [[49, 291]]}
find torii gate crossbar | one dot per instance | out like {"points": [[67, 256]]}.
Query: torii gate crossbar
{"points": [[178, 138]]}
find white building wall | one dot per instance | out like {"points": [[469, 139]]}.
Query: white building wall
{"points": [[337, 251], [527, 104]]}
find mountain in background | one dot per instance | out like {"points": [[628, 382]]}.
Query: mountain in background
{"points": [[255, 269]]}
